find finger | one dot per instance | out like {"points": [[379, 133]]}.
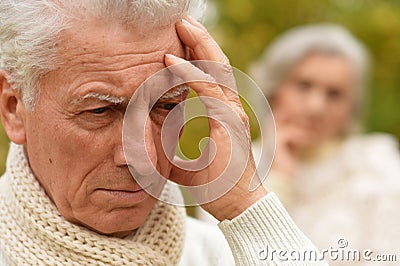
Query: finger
{"points": [[214, 99], [200, 41], [191, 53], [289, 135], [203, 47], [202, 83], [281, 118], [195, 23], [182, 174]]}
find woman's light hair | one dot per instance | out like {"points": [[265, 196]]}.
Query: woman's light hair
{"points": [[293, 46], [29, 30]]}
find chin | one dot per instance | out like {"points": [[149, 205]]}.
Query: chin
{"points": [[119, 222], [308, 141], [122, 223]]}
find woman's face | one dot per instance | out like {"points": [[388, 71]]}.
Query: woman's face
{"points": [[315, 102]]}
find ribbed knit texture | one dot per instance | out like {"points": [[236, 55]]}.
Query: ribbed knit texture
{"points": [[32, 232], [265, 224], [3, 260]]}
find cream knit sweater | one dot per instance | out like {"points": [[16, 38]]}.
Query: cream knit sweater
{"points": [[263, 227]]}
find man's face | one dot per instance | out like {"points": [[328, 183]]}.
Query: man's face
{"points": [[74, 135]]}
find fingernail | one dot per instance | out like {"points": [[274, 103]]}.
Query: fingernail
{"points": [[186, 23], [173, 57], [170, 56], [191, 18]]}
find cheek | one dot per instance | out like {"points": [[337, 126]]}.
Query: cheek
{"points": [[337, 118], [80, 151], [287, 105], [62, 156], [340, 118]]}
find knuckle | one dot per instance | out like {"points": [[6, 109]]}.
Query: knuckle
{"points": [[225, 61], [218, 91], [210, 79], [206, 37], [243, 116]]}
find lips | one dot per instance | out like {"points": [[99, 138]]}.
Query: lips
{"points": [[123, 197], [123, 188], [128, 190]]}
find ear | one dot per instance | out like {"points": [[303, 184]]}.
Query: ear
{"points": [[12, 110]]}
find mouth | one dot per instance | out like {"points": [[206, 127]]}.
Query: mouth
{"points": [[123, 197]]}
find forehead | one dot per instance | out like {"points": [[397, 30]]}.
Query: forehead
{"points": [[325, 62], [330, 68], [114, 55]]}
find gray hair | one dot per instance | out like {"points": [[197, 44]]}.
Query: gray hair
{"points": [[29, 30], [293, 46]]}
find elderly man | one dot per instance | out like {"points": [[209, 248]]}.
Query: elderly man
{"points": [[68, 69]]}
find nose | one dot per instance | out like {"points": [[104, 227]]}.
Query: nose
{"points": [[316, 102], [151, 152], [119, 155], [138, 143]]}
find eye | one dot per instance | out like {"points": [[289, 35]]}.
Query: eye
{"points": [[99, 110], [334, 94], [160, 111], [304, 85], [168, 106]]}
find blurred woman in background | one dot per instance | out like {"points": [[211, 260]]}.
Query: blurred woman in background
{"points": [[335, 182]]}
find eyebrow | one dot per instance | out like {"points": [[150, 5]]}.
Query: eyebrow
{"points": [[101, 97], [119, 100], [179, 91]]}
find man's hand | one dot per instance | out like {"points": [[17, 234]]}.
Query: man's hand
{"points": [[228, 145]]}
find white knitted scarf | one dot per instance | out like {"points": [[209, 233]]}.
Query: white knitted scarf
{"points": [[32, 232]]}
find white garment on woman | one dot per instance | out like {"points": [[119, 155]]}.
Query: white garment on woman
{"points": [[347, 190]]}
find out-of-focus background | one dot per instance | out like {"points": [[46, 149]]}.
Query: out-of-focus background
{"points": [[244, 28]]}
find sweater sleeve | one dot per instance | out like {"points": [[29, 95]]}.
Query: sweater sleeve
{"points": [[266, 234], [3, 261]]}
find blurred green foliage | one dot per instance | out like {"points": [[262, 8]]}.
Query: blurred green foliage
{"points": [[244, 28], [4, 143]]}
